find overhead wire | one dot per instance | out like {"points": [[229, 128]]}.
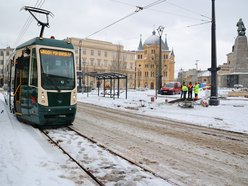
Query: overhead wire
{"points": [[128, 4], [38, 4], [26, 25], [153, 4], [171, 13], [206, 22], [191, 11], [176, 14], [209, 20], [203, 21], [138, 9]]}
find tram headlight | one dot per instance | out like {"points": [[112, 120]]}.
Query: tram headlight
{"points": [[43, 99], [74, 98]]}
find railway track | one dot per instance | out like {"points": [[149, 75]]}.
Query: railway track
{"points": [[56, 143], [102, 165]]}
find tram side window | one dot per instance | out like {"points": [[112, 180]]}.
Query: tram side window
{"points": [[33, 69], [25, 70]]}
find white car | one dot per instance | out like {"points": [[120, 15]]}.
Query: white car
{"points": [[238, 86]]}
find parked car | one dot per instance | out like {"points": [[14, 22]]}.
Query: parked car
{"points": [[171, 88], [238, 86]]}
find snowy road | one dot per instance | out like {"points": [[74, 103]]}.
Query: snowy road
{"points": [[184, 154]]}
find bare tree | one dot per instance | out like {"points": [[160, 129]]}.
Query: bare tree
{"points": [[118, 60]]}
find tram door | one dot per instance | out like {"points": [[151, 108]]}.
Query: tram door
{"points": [[21, 102], [17, 85]]}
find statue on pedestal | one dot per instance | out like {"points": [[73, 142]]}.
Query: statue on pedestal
{"points": [[241, 28]]}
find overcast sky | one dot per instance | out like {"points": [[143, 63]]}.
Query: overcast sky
{"points": [[81, 18]]}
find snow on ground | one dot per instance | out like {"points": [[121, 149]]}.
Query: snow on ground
{"points": [[27, 158], [108, 168], [230, 115]]}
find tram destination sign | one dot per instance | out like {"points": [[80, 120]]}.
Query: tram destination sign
{"points": [[55, 52]]}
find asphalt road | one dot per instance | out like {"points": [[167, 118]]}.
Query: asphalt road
{"points": [[179, 152]]}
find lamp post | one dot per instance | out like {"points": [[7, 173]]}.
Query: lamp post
{"points": [[181, 75], [164, 74], [214, 93], [139, 74], [196, 70], [84, 63], [159, 81], [80, 65]]}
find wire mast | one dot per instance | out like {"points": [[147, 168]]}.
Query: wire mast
{"points": [[33, 10]]}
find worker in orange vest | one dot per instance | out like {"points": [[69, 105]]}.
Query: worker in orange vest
{"points": [[190, 90]]}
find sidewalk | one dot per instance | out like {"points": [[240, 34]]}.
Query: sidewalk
{"points": [[27, 159]]}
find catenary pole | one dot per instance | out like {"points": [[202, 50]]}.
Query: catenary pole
{"points": [[80, 65], [159, 84], [214, 92]]}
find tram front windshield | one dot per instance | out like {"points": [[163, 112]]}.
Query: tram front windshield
{"points": [[57, 70]]}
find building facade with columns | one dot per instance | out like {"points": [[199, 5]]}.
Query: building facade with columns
{"points": [[102, 56], [148, 59]]}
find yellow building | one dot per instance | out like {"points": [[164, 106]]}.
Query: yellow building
{"points": [[147, 62], [102, 56]]}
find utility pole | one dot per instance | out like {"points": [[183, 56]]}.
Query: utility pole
{"points": [[159, 82], [196, 70], [214, 92], [84, 63], [139, 75], [80, 65], [181, 75], [196, 64]]}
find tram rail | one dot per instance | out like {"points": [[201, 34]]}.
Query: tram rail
{"points": [[46, 133], [101, 164]]}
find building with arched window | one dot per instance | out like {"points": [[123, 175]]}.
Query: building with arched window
{"points": [[147, 62]]}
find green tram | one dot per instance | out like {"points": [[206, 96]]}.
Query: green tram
{"points": [[42, 82]]}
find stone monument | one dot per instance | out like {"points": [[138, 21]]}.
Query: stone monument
{"points": [[240, 53], [238, 60], [241, 28]]}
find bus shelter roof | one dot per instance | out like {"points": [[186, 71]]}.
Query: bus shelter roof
{"points": [[111, 76], [107, 75]]}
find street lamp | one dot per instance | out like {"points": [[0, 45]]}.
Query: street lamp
{"points": [[80, 65], [139, 74], [164, 74], [214, 94], [181, 75], [159, 81], [196, 70], [84, 63]]}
